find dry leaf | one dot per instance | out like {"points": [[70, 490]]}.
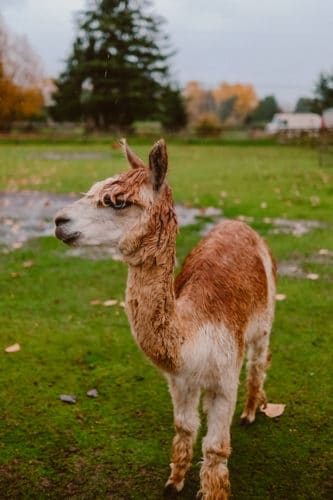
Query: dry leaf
{"points": [[280, 296], [92, 393], [13, 348], [122, 304], [95, 302], [15, 274], [28, 263], [18, 244], [67, 398], [110, 303], [324, 251], [312, 276], [272, 410]]}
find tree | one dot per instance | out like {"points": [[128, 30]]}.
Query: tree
{"points": [[227, 107], [20, 71], [304, 105], [118, 69], [265, 110], [235, 100], [229, 101], [324, 92]]}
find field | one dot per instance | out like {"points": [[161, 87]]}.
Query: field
{"points": [[117, 445]]}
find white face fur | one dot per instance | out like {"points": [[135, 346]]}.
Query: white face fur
{"points": [[116, 209], [88, 222]]}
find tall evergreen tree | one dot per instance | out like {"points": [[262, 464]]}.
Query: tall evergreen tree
{"points": [[118, 71]]}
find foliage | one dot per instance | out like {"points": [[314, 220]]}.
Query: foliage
{"points": [[245, 99], [20, 95], [232, 102], [304, 105], [265, 110], [227, 107], [118, 69], [117, 445], [324, 91], [207, 124]]}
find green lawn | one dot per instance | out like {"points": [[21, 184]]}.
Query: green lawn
{"points": [[117, 446]]}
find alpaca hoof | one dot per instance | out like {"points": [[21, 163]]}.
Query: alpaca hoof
{"points": [[170, 491], [246, 421]]}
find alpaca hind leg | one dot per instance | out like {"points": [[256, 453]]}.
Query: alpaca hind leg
{"points": [[214, 473], [258, 360], [186, 418]]}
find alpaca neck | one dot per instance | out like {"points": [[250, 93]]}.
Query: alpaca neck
{"points": [[150, 300]]}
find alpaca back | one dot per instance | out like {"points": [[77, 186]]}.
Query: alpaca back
{"points": [[228, 278]]}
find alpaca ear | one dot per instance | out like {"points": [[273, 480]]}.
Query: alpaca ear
{"points": [[133, 160], [158, 164]]}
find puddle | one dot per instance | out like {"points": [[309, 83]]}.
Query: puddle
{"points": [[294, 227], [72, 155], [294, 268], [29, 214]]}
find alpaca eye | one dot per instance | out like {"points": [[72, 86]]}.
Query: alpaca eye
{"points": [[119, 204]]}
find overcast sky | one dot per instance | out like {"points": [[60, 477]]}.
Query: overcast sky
{"points": [[280, 46]]}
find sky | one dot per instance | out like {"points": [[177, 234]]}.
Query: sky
{"points": [[280, 46]]}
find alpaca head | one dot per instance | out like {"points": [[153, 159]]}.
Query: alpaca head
{"points": [[132, 211]]}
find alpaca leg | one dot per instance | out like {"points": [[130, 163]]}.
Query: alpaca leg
{"points": [[185, 402], [258, 360], [214, 473]]}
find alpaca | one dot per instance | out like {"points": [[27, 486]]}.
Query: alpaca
{"points": [[195, 328]]}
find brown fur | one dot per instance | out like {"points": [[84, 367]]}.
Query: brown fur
{"points": [[238, 285]]}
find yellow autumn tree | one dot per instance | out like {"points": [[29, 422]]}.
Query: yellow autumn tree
{"points": [[20, 73], [243, 95], [231, 103]]}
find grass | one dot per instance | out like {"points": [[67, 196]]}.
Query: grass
{"points": [[117, 445]]}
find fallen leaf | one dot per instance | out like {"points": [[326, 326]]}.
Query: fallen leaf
{"points": [[312, 276], [95, 302], [15, 275], [110, 303], [122, 304], [13, 348], [245, 218], [18, 244], [263, 204], [28, 263], [92, 393], [324, 251], [280, 296], [67, 398], [272, 410]]}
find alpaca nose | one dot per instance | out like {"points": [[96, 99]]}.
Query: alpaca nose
{"points": [[60, 220]]}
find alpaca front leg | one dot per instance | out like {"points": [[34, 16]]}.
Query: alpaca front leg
{"points": [[186, 419], [214, 473]]}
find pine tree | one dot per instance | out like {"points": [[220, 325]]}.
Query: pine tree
{"points": [[118, 70]]}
